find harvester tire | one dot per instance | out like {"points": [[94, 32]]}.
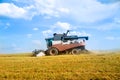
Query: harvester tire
{"points": [[74, 51], [53, 51]]}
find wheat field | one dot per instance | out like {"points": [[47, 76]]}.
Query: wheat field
{"points": [[61, 67]]}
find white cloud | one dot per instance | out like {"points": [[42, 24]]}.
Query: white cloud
{"points": [[81, 33], [83, 10], [13, 11], [108, 26], [62, 25], [35, 29], [87, 11], [58, 27], [64, 10], [91, 10], [50, 8], [29, 35], [9, 9], [47, 33], [31, 8]]}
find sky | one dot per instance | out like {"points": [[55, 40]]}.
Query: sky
{"points": [[24, 24]]}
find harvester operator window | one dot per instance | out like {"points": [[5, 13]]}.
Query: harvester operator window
{"points": [[49, 43]]}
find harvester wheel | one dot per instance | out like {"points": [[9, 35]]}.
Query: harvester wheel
{"points": [[74, 51], [53, 51]]}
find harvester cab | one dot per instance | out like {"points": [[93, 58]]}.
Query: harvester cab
{"points": [[56, 39]]}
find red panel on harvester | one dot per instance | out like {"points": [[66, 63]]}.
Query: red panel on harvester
{"points": [[62, 47]]}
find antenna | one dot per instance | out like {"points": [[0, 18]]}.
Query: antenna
{"points": [[67, 32]]}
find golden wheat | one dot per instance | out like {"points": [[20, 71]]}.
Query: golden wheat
{"points": [[61, 67]]}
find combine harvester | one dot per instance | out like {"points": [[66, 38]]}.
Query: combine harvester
{"points": [[62, 43]]}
